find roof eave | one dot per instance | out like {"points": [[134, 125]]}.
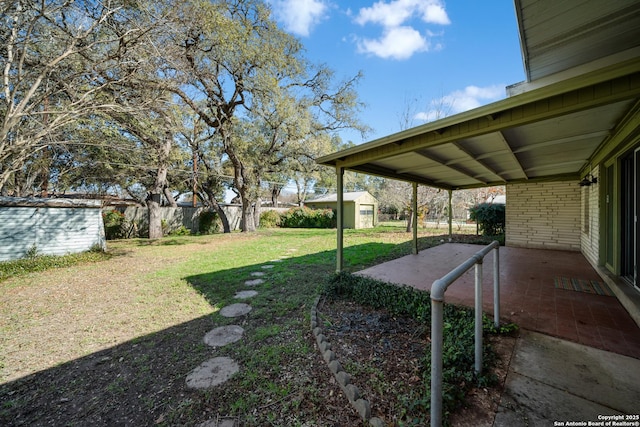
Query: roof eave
{"points": [[606, 73]]}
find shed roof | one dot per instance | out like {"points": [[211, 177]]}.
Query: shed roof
{"points": [[49, 202], [347, 197]]}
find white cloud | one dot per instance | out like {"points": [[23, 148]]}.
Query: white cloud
{"points": [[397, 12], [395, 43], [399, 40], [299, 16], [435, 14], [461, 100]]}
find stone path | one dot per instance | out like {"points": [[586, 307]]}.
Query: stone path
{"points": [[212, 372], [245, 294], [235, 310], [223, 335], [218, 370]]}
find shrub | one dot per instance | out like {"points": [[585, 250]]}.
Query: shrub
{"points": [[308, 218], [181, 231], [113, 224], [208, 223], [399, 300], [269, 219], [490, 218]]}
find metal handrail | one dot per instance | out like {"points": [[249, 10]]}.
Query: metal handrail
{"points": [[437, 301]]}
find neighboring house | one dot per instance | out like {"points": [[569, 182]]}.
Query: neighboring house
{"points": [[566, 142], [49, 226], [360, 208], [500, 199]]}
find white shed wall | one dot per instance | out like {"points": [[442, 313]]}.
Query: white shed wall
{"points": [[51, 230]]}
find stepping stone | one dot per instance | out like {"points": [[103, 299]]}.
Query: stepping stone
{"points": [[235, 310], [211, 373], [245, 294], [258, 273], [276, 260], [254, 282], [223, 335], [220, 422], [266, 267]]}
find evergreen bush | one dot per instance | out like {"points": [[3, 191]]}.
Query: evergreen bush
{"points": [[208, 223], [304, 217], [113, 224], [490, 218], [269, 219]]}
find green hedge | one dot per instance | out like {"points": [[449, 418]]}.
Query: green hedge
{"points": [[269, 219], [308, 218], [490, 218]]}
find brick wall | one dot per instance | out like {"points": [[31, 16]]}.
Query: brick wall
{"points": [[544, 215], [589, 219]]}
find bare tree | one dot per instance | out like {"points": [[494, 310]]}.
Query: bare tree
{"points": [[56, 58], [234, 62]]}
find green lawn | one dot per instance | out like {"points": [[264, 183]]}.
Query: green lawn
{"points": [[117, 336]]}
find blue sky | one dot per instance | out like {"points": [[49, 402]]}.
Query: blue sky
{"points": [[433, 56]]}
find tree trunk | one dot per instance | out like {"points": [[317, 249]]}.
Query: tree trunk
{"points": [[226, 228], [155, 193], [155, 217], [167, 195], [275, 193], [248, 223], [409, 220], [256, 213], [240, 183]]}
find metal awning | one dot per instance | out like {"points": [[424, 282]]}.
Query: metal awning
{"points": [[550, 133], [561, 35], [582, 65]]}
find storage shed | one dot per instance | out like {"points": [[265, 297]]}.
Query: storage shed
{"points": [[360, 208], [49, 226]]}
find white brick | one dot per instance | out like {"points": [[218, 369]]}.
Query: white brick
{"points": [[544, 215]]}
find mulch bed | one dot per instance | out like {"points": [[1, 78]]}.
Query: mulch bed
{"points": [[384, 354]]}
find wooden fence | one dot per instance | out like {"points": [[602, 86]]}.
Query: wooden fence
{"points": [[137, 219]]}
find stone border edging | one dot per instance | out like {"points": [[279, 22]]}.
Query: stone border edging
{"points": [[362, 406]]}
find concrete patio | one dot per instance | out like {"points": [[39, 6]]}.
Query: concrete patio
{"points": [[528, 294], [577, 356]]}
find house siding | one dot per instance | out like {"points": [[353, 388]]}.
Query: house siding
{"points": [[544, 215], [590, 219]]}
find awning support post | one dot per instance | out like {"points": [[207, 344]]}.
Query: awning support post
{"points": [[450, 215], [340, 220], [414, 213]]}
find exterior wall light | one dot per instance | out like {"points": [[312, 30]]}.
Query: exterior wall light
{"points": [[588, 180]]}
